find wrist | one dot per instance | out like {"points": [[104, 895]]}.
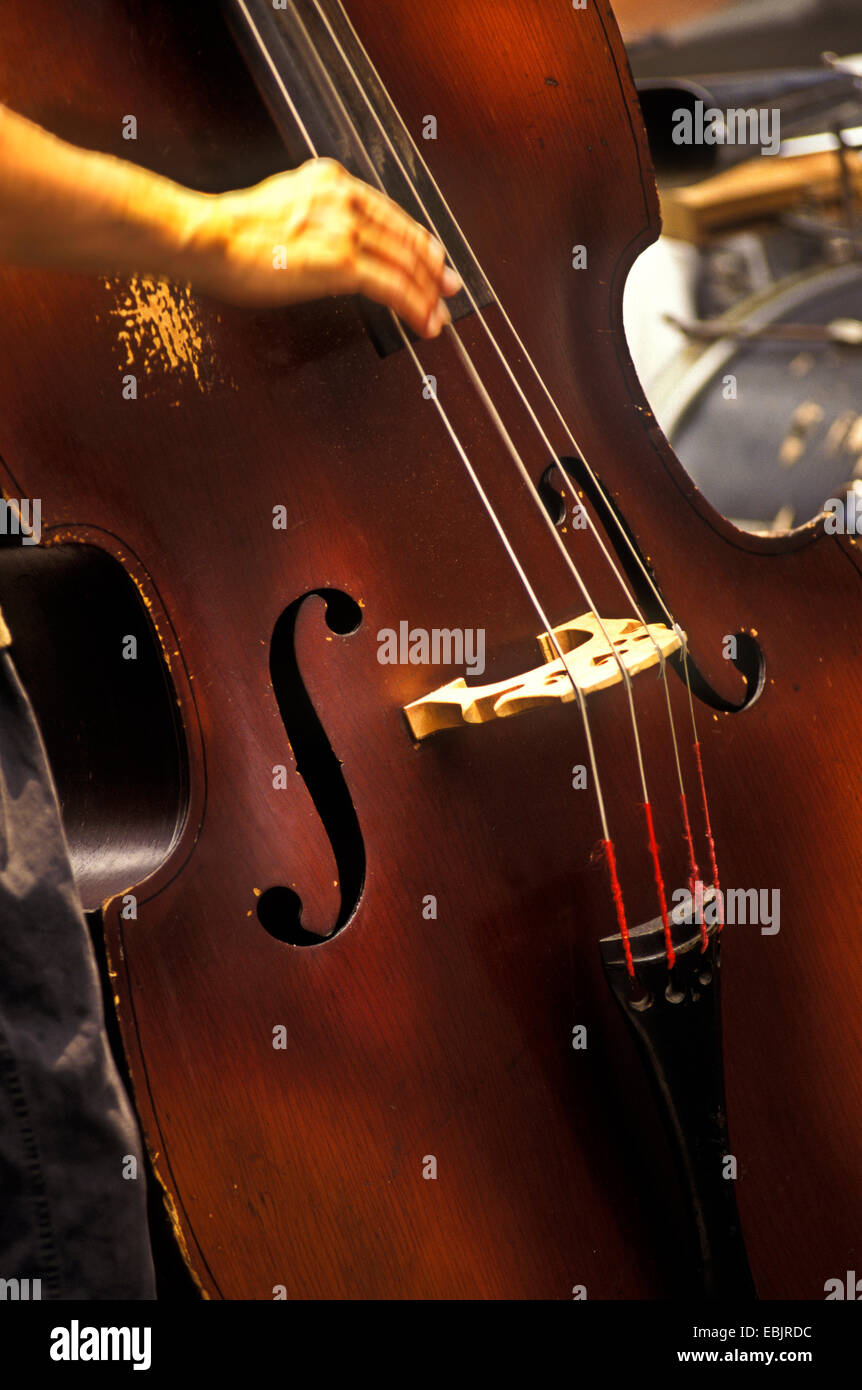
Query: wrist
{"points": [[187, 231], [149, 225], [198, 229]]}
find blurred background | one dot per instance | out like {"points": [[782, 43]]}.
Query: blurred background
{"points": [[745, 319]]}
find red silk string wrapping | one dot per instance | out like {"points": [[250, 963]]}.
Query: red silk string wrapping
{"points": [[693, 870], [659, 883], [710, 841], [608, 846]]}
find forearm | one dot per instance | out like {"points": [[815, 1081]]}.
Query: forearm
{"points": [[308, 232], [74, 209]]}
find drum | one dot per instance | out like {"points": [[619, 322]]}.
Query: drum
{"points": [[769, 430]]}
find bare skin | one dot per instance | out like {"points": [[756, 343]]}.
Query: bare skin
{"points": [[300, 235]]}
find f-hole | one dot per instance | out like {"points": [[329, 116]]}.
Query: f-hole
{"points": [[749, 659], [279, 909]]}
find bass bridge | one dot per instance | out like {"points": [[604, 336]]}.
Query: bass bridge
{"points": [[594, 654]]}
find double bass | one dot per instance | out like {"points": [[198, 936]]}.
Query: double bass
{"points": [[457, 719]]}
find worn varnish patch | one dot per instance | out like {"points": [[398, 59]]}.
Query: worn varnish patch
{"points": [[161, 330]]}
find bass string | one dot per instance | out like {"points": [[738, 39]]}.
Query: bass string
{"points": [[485, 500], [504, 435], [523, 472], [607, 842], [500, 530], [556, 463], [494, 414], [694, 872], [485, 325]]}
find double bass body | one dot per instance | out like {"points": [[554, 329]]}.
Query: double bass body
{"points": [[295, 1075]]}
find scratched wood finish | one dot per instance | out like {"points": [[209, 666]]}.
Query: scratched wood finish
{"points": [[302, 1167]]}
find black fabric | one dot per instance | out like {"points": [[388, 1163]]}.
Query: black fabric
{"points": [[71, 1214]]}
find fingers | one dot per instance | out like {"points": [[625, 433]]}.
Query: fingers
{"points": [[334, 234], [400, 263], [419, 290], [387, 285]]}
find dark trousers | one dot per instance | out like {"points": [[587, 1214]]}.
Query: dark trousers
{"points": [[73, 1211]]}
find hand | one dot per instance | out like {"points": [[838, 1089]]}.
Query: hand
{"points": [[317, 231]]}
